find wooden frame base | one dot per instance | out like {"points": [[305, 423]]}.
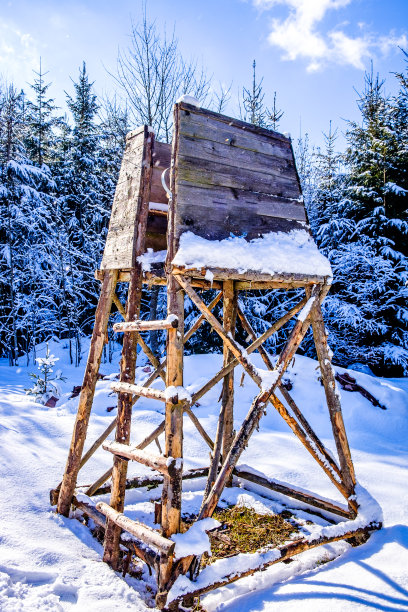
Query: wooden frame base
{"points": [[227, 448]]}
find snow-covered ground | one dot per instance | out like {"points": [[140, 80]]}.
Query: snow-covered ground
{"points": [[51, 563]]}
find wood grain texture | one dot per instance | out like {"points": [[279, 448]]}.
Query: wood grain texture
{"points": [[121, 240], [233, 177], [87, 393]]}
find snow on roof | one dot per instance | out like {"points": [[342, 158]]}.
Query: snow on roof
{"points": [[274, 253], [189, 100]]}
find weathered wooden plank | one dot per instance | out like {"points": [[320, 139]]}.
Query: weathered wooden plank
{"points": [[161, 155], [233, 179], [293, 280], [256, 167], [221, 121], [121, 240], [217, 213]]}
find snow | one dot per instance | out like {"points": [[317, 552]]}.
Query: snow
{"points": [[151, 257], [304, 313], [51, 563], [189, 100], [195, 540], [180, 392], [275, 253]]}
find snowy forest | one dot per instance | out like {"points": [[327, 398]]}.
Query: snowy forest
{"points": [[57, 180]]}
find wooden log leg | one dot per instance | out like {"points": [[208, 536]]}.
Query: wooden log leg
{"points": [[224, 432], [333, 403], [88, 390], [171, 499], [125, 401], [229, 321]]}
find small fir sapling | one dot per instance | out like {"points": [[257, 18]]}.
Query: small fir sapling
{"points": [[46, 385]]}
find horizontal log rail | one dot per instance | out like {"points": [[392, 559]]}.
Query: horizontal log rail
{"points": [[306, 498], [286, 552], [152, 481], [150, 438], [148, 392], [138, 326], [168, 466], [139, 548], [221, 274], [144, 533]]}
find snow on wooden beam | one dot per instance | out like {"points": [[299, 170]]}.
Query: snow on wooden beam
{"points": [[166, 465], [139, 530], [136, 326]]}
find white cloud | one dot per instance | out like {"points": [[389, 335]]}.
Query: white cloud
{"points": [[300, 37], [19, 54]]}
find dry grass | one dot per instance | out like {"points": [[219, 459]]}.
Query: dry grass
{"points": [[245, 531]]}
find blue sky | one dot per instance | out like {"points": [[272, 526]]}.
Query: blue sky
{"points": [[312, 52]]}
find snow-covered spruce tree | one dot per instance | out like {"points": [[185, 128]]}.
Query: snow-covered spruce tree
{"points": [[366, 239], [22, 229], [83, 208]]}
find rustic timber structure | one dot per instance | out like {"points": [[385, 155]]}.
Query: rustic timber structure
{"points": [[227, 177]]}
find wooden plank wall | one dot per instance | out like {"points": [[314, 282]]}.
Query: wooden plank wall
{"points": [[119, 250], [233, 178]]}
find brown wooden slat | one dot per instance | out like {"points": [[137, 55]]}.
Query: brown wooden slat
{"points": [[220, 120], [120, 243]]}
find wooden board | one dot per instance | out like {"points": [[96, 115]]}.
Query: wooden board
{"points": [[121, 240], [233, 178], [157, 223]]}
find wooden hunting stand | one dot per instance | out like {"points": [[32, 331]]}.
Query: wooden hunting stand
{"points": [[226, 177]]}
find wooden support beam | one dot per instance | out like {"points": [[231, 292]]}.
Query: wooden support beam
{"points": [[140, 326], [129, 351], [258, 406], [306, 498], [250, 349], [144, 533], [333, 403], [200, 320], [230, 302], [141, 391], [288, 398], [285, 552], [139, 548], [168, 466], [152, 481], [224, 433], [102, 313], [199, 427], [119, 305]]}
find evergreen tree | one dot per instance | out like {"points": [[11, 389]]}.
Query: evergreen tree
{"points": [[365, 238]]}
